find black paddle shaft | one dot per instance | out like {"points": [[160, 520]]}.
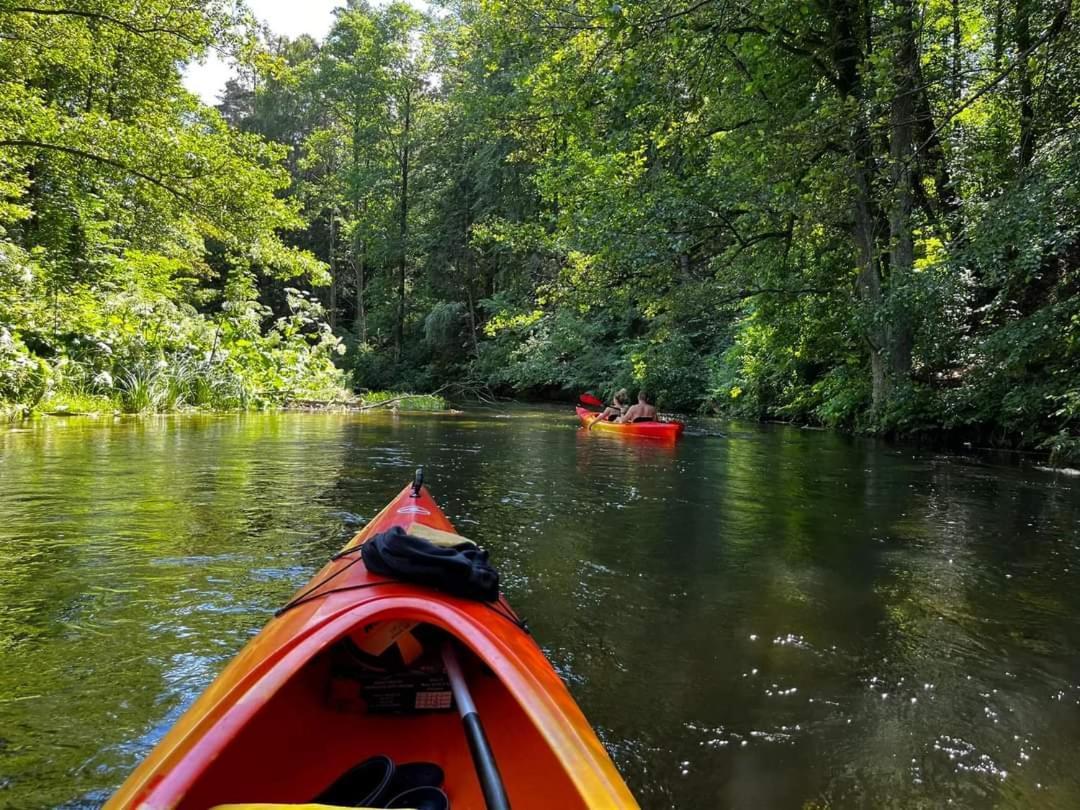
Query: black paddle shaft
{"points": [[487, 770], [484, 760]]}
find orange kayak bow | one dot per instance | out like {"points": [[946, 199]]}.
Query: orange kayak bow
{"points": [[279, 724], [650, 430]]}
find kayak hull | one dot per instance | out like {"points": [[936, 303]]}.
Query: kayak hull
{"points": [[262, 731], [667, 431]]}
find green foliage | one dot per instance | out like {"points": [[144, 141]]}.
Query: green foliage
{"points": [[862, 216], [699, 173], [405, 402], [23, 377], [561, 351], [127, 212], [841, 397], [444, 328]]}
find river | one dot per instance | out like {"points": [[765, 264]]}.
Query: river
{"points": [[755, 617]]}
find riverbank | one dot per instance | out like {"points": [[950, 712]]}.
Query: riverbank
{"points": [[99, 405], [1058, 451], [1062, 451]]}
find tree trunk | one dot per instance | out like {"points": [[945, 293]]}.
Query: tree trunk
{"points": [[900, 335], [333, 270], [932, 158], [359, 249], [999, 35], [361, 282], [470, 268], [1023, 72], [684, 267], [868, 281], [403, 227], [848, 56], [956, 88], [472, 322], [489, 278]]}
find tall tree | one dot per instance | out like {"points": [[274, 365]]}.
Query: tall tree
{"points": [[122, 194]]}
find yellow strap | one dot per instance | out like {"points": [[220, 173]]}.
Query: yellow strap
{"points": [[437, 536]]}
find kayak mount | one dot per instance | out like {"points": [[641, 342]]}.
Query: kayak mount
{"points": [[418, 482]]}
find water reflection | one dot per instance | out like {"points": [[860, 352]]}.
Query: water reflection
{"points": [[751, 617]]}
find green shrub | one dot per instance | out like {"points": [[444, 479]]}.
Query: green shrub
{"points": [[140, 352], [406, 402], [23, 377]]}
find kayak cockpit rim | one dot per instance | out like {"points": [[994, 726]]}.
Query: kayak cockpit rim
{"points": [[234, 709]]}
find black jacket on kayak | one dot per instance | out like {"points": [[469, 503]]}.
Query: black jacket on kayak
{"points": [[462, 570]]}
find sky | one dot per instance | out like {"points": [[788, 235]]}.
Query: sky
{"points": [[289, 17]]}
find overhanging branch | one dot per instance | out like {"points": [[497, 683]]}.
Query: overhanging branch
{"points": [[107, 18], [116, 164]]}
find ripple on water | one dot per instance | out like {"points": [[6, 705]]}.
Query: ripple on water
{"points": [[775, 618]]}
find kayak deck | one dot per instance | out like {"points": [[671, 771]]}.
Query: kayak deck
{"points": [[650, 430], [274, 726]]}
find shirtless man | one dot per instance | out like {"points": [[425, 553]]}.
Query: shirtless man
{"points": [[642, 410]]}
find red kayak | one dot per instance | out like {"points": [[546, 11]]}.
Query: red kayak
{"points": [[305, 713], [668, 431]]}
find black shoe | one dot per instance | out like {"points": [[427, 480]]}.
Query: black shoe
{"points": [[421, 798], [361, 785], [410, 775]]}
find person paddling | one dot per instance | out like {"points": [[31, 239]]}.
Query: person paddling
{"points": [[615, 410], [643, 411]]}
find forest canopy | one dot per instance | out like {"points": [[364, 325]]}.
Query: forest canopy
{"points": [[855, 213]]}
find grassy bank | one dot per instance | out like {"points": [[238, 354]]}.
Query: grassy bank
{"points": [[75, 404]]}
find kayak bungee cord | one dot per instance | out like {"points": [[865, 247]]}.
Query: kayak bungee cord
{"points": [[296, 600], [499, 607], [304, 600], [506, 612]]}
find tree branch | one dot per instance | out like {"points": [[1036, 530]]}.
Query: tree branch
{"points": [[96, 15], [1055, 28], [731, 127], [116, 164], [742, 295], [666, 18], [779, 38]]}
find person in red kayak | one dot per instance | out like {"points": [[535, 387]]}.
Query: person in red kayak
{"points": [[616, 409], [643, 411]]}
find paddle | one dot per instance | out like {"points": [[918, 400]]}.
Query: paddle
{"points": [[589, 399], [483, 758]]}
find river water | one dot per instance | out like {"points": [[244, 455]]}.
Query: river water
{"points": [[755, 617]]}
